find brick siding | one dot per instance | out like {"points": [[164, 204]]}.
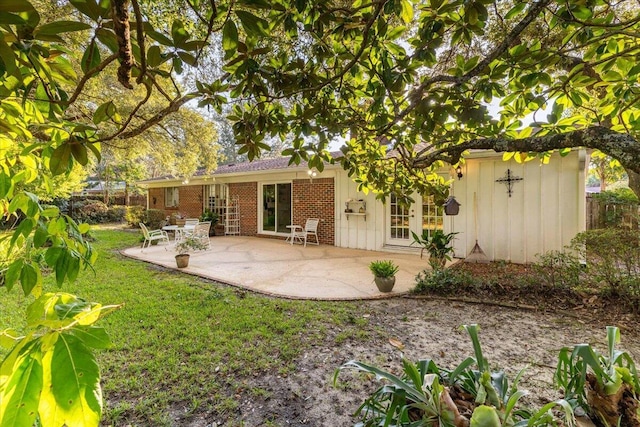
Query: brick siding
{"points": [[315, 199], [247, 193], [189, 201], [311, 199]]}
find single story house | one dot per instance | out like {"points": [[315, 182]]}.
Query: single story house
{"points": [[523, 209]]}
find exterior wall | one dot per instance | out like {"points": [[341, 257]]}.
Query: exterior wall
{"points": [[355, 231], [247, 193], [545, 211], [315, 199], [156, 198], [189, 201]]}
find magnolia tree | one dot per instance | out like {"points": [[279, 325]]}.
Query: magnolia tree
{"points": [[410, 76]]}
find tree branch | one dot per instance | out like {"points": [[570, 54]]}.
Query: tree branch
{"points": [[120, 12], [416, 94], [621, 146], [157, 118]]}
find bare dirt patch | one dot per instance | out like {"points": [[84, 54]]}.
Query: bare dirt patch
{"points": [[512, 339]]}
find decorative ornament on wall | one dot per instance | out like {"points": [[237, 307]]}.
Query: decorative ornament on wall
{"points": [[508, 180]]}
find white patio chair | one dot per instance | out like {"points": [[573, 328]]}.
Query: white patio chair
{"points": [[310, 229], [152, 235], [201, 232], [189, 226]]}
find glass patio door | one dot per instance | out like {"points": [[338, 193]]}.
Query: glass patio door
{"points": [[276, 207]]}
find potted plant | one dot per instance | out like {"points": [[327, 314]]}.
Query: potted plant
{"points": [[384, 273], [438, 244], [186, 245], [209, 216]]}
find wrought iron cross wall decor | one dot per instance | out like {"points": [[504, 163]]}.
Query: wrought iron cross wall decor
{"points": [[508, 180]]}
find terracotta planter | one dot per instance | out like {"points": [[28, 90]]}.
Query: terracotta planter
{"points": [[182, 260], [385, 284]]}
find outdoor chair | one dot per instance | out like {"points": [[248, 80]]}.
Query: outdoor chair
{"points": [[152, 236], [190, 225], [310, 229], [201, 232]]}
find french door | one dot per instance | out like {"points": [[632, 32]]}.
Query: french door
{"points": [[403, 219]]}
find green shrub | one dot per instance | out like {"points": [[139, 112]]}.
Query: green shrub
{"points": [[135, 215], [154, 218], [558, 269], [619, 208], [90, 211], [613, 259], [442, 281], [116, 213], [624, 196]]}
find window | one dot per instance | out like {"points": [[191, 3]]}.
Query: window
{"points": [[171, 197], [432, 215], [215, 196], [276, 207], [399, 224]]}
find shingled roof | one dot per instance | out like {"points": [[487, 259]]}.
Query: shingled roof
{"points": [[244, 167]]}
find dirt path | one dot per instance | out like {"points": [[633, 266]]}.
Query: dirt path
{"points": [[511, 339]]}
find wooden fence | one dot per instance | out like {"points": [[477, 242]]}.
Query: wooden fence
{"points": [[603, 215], [117, 199]]}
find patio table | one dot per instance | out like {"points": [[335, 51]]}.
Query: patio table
{"points": [[292, 237], [177, 231]]}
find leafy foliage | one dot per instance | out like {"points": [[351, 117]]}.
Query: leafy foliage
{"points": [[443, 281], [426, 394], [606, 386], [50, 373], [438, 244], [383, 268], [559, 269], [613, 260]]}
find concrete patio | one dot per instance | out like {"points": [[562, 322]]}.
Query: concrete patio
{"points": [[277, 268]]}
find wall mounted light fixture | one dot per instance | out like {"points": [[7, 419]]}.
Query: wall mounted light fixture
{"points": [[459, 172], [312, 174], [154, 201]]}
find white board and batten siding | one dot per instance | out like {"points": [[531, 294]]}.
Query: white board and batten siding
{"points": [[358, 232], [545, 211]]}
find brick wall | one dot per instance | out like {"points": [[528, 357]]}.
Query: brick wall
{"points": [[315, 199], [156, 198], [189, 201], [247, 193], [311, 199]]}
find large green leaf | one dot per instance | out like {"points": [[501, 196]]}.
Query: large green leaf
{"points": [[71, 394], [61, 27], [60, 157], [87, 7], [91, 57], [20, 394], [253, 25], [229, 37], [15, 6], [93, 336]]}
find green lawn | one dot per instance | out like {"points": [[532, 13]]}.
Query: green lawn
{"points": [[179, 339]]}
